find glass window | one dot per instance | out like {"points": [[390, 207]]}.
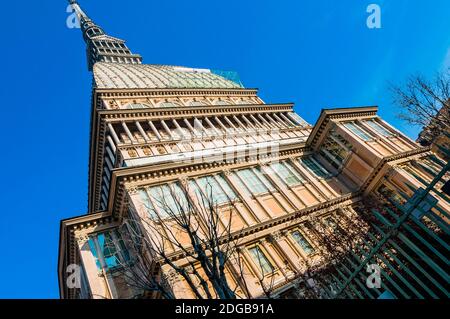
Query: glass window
{"points": [[261, 260], [169, 199], [258, 172], [114, 252], [222, 102], [226, 187], [302, 242], [254, 181], [168, 104], [329, 221], [286, 173], [214, 187], [145, 200], [315, 167], [245, 102], [135, 106], [379, 128], [197, 103], [241, 185], [355, 129]]}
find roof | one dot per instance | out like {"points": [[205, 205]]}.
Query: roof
{"points": [[147, 76], [345, 112]]}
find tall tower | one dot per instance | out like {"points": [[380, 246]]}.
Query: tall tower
{"points": [[157, 128], [101, 47]]}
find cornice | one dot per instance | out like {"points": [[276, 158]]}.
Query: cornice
{"points": [[326, 115], [127, 93], [67, 241], [187, 111], [373, 176]]}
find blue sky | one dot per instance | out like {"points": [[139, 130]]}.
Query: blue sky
{"points": [[316, 53]]}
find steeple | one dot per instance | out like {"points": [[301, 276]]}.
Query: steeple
{"points": [[101, 47]]}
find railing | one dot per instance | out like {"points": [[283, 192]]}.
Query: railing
{"points": [[405, 252]]}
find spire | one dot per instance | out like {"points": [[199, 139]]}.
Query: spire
{"points": [[101, 47]]}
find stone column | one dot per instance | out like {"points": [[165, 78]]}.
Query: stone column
{"points": [[114, 134], [130, 136], [155, 131], [96, 283]]}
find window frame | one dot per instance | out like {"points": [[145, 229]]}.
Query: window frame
{"points": [[288, 167], [266, 257], [359, 132], [306, 238], [379, 128], [326, 174], [122, 252]]}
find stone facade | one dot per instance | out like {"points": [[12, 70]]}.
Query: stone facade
{"points": [[159, 127]]}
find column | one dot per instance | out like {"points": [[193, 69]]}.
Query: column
{"points": [[287, 119], [130, 136], [113, 146], [108, 279], [141, 130], [167, 129], [278, 124], [114, 134], [97, 284], [155, 131], [180, 129], [212, 126]]}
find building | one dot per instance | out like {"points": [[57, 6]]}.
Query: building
{"points": [[436, 134], [156, 129]]}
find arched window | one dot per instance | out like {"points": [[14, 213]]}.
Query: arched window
{"points": [[136, 106], [245, 101], [197, 103], [169, 104], [223, 102]]}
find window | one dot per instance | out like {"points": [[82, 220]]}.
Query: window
{"points": [[286, 173], [215, 187], [222, 102], [314, 167], [168, 104], [335, 149], [297, 119], [355, 129], [197, 103], [390, 194], [254, 181], [329, 221], [261, 260], [379, 128], [169, 199], [112, 249], [245, 102], [302, 242], [136, 106]]}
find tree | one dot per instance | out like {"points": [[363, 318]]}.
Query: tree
{"points": [[425, 103], [201, 230], [340, 238]]}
